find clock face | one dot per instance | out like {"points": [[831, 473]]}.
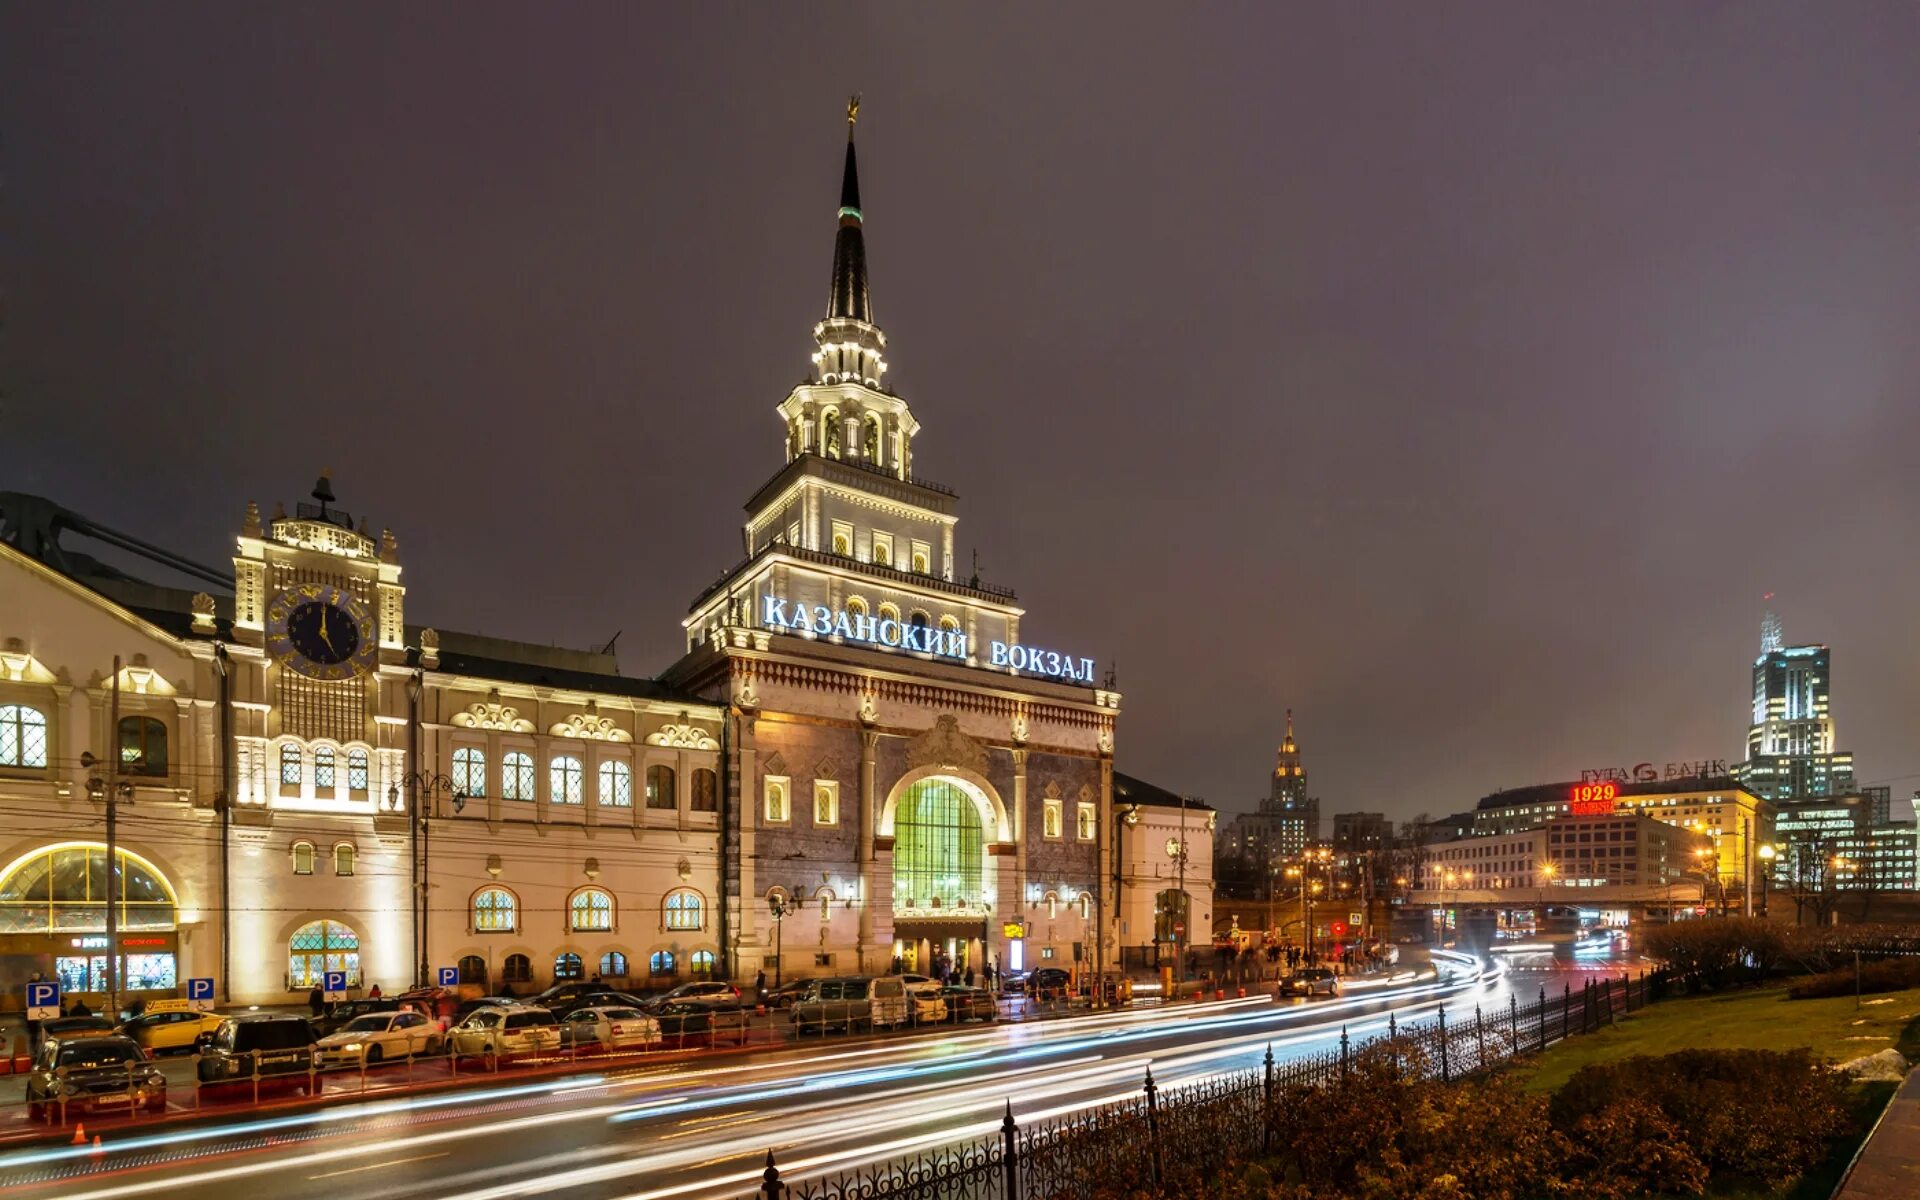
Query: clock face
{"points": [[321, 632], [1173, 847]]}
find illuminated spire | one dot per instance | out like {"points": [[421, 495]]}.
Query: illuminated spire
{"points": [[1771, 637], [1289, 758], [849, 296]]}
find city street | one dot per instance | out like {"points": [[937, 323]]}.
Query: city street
{"points": [[702, 1129]]}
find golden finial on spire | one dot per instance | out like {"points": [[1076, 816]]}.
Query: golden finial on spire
{"points": [[853, 112]]}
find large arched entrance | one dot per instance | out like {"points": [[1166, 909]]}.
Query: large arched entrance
{"points": [[944, 880], [53, 909]]}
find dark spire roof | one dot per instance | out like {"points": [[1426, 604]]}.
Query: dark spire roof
{"points": [[849, 298]]}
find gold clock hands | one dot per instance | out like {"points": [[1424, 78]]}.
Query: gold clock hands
{"points": [[323, 627]]}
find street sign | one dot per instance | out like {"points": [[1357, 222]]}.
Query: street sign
{"points": [[200, 995], [1013, 929], [1356, 919], [43, 1001], [334, 985], [449, 976]]}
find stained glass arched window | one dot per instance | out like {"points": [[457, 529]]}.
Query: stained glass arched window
{"points": [[319, 947], [685, 910], [939, 846], [495, 911], [591, 910], [63, 889]]}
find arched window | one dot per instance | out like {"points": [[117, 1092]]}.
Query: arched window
{"points": [[661, 787], [568, 966], [303, 858], [323, 768], [1052, 901], [495, 911], [470, 770], [517, 969], [685, 910], [919, 563], [1086, 906], [473, 969], [356, 770], [950, 623], [616, 784], [290, 766], [702, 963], [889, 612], [920, 619], [319, 947], [143, 746], [842, 545], [856, 607], [516, 776], [776, 800], [830, 433], [23, 736], [939, 850], [343, 856], [660, 962], [826, 904], [870, 447], [706, 790], [592, 910], [62, 890], [613, 965], [566, 780]]}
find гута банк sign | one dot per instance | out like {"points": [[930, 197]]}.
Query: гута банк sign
{"points": [[821, 621]]}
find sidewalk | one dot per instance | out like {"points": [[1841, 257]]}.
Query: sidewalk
{"points": [[1889, 1164]]}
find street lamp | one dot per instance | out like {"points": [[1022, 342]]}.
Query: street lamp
{"points": [[777, 908], [1767, 853], [423, 785]]}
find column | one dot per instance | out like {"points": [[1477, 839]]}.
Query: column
{"points": [[743, 894], [869, 738], [1102, 892], [1013, 883]]}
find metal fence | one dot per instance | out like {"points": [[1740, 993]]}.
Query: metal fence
{"points": [[1173, 1137]]}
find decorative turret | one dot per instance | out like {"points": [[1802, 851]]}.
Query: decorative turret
{"points": [[850, 343], [1288, 765]]}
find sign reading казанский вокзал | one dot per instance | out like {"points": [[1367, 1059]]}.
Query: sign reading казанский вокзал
{"points": [[821, 621]]}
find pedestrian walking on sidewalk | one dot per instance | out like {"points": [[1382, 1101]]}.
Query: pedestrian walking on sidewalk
{"points": [[316, 1002]]}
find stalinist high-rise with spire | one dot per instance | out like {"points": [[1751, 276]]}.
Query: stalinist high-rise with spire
{"points": [[1287, 820]]}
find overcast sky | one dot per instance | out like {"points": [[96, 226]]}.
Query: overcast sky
{"points": [[1460, 376]]}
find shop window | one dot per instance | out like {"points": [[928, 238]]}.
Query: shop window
{"points": [[616, 784], [517, 969], [303, 858], [591, 910], [661, 787], [516, 776], [470, 771], [495, 911], [323, 769], [357, 772], [702, 963], [566, 780], [613, 965], [685, 910], [319, 947], [776, 806], [473, 969], [143, 746], [23, 736], [568, 966], [660, 963], [826, 802], [291, 767], [706, 790]]}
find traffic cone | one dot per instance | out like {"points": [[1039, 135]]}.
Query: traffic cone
{"points": [[96, 1144], [79, 1135]]}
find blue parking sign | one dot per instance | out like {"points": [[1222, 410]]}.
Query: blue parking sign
{"points": [[449, 976], [200, 995], [334, 985], [43, 1001]]}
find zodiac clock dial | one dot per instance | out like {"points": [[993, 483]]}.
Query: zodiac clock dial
{"points": [[321, 632]]}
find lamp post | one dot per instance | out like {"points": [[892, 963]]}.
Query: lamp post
{"points": [[1709, 868], [1547, 871], [1767, 853], [113, 790], [777, 909], [423, 786]]}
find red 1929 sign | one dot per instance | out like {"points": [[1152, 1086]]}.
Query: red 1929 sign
{"points": [[1594, 799]]}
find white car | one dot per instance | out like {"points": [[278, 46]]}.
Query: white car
{"points": [[507, 1030], [924, 995], [613, 1027], [378, 1037]]}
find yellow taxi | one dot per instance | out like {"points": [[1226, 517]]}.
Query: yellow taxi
{"points": [[169, 1025]]}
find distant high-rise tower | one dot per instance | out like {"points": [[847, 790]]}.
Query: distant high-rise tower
{"points": [[1790, 754], [1295, 815]]}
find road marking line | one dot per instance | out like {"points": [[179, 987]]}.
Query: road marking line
{"points": [[392, 1162]]}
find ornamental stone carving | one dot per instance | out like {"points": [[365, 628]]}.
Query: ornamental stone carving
{"points": [[827, 769], [491, 714], [775, 765], [945, 746], [1020, 728], [590, 726], [1052, 790], [684, 737]]}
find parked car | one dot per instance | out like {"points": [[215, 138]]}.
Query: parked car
{"points": [[507, 1031], [788, 993], [702, 991], [1014, 983], [598, 999], [856, 1002], [436, 1002], [94, 1073], [379, 1037], [971, 1004], [73, 1027], [1048, 983], [700, 1021], [1309, 981], [274, 1044], [169, 1025], [337, 1017], [609, 1027], [564, 992], [927, 1007], [922, 985], [467, 1008]]}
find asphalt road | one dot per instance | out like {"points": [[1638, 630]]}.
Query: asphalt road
{"points": [[702, 1129]]}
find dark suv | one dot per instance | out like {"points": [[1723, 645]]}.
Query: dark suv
{"points": [[273, 1043], [103, 1074]]}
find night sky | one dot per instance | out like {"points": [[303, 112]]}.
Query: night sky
{"points": [[1460, 376]]}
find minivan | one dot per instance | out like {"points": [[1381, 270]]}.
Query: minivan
{"points": [[849, 1004], [267, 1043]]}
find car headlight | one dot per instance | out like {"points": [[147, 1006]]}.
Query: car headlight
{"points": [[156, 1079], [349, 1047]]}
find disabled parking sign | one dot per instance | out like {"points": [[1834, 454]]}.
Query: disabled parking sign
{"points": [[334, 985], [43, 1001], [200, 995]]}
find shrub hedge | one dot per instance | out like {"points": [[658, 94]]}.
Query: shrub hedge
{"points": [[1886, 975]]}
